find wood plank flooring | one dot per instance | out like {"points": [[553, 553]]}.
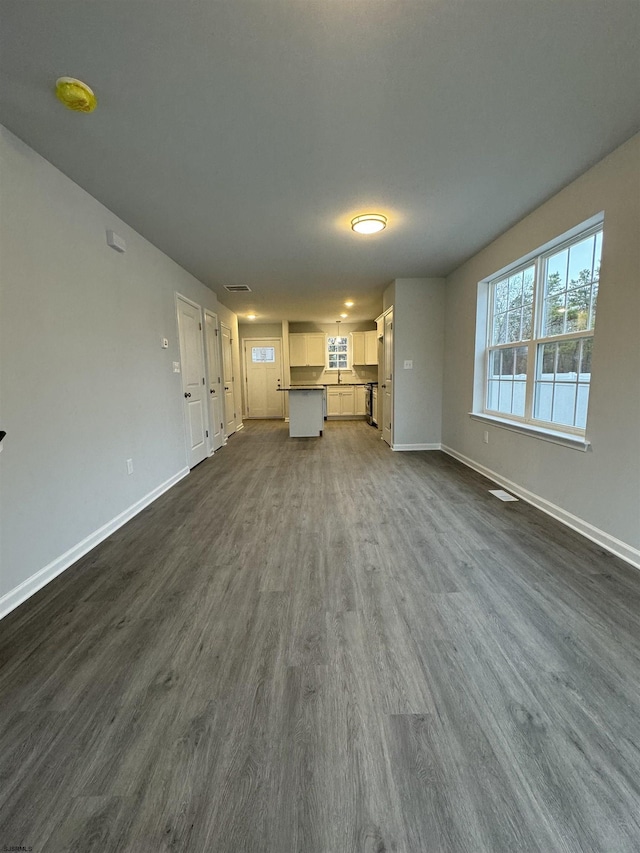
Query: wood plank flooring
{"points": [[321, 646]]}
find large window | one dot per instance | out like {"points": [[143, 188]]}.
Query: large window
{"points": [[539, 336], [337, 353]]}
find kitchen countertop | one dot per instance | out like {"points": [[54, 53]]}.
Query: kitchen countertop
{"points": [[317, 387]]}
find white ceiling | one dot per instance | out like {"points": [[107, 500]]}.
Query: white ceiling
{"points": [[241, 136]]}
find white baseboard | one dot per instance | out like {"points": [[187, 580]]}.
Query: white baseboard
{"points": [[31, 585], [436, 446], [241, 426], [616, 546]]}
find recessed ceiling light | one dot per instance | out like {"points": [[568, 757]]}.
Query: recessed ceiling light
{"points": [[349, 304], [251, 316], [369, 223], [344, 316]]}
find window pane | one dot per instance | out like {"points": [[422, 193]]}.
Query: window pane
{"points": [[544, 401], [564, 403], [501, 296], [556, 280], [581, 407], [492, 395], [581, 261], [527, 323], [554, 311], [506, 387], [519, 393], [561, 389], [569, 298], [578, 304], [585, 366], [499, 329], [515, 289]]}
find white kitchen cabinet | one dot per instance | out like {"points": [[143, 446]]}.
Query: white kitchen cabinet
{"points": [[340, 402], [360, 399], [358, 348], [365, 347], [307, 350], [371, 347]]}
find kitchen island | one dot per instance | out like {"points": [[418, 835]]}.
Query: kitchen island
{"points": [[306, 410]]}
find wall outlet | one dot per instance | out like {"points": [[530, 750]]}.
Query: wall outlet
{"points": [[408, 364], [485, 437], [129, 466], [165, 343]]}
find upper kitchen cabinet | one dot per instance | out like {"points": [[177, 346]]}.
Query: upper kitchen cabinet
{"points": [[365, 347], [307, 350]]}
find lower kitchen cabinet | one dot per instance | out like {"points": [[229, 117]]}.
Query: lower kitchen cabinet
{"points": [[346, 402], [340, 402]]}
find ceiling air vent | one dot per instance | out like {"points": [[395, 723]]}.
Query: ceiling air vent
{"points": [[237, 288]]}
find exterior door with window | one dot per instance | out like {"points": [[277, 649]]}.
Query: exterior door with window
{"points": [[216, 417], [387, 385], [193, 382], [263, 376]]}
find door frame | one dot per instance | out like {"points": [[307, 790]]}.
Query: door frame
{"points": [[391, 351], [210, 380], [178, 298], [245, 377], [224, 325]]}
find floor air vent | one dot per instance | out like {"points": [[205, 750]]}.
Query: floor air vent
{"points": [[237, 288], [504, 496]]}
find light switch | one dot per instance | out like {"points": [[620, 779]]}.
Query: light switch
{"points": [[165, 343], [408, 364], [176, 367]]}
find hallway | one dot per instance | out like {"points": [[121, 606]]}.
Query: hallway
{"points": [[322, 646]]}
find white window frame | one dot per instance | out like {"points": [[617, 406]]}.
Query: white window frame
{"points": [[349, 353], [566, 433]]}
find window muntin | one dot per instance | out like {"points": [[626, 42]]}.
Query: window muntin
{"points": [[539, 338], [337, 353]]}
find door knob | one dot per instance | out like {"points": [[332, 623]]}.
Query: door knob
{"points": [[212, 390], [187, 393]]}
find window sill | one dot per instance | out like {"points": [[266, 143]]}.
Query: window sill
{"points": [[575, 442]]}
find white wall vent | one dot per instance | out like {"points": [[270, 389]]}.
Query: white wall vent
{"points": [[237, 288]]}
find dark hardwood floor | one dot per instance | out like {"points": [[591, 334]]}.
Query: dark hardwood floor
{"points": [[321, 646]]}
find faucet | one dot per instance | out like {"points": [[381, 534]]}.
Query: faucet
{"points": [[339, 376]]}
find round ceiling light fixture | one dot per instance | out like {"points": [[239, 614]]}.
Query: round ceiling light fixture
{"points": [[344, 316], [251, 316], [75, 95], [369, 223]]}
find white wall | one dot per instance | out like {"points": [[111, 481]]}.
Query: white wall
{"points": [[84, 382], [418, 336], [598, 492]]}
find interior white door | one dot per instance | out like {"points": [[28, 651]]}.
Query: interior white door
{"points": [[227, 376], [193, 387], [216, 418], [263, 375], [387, 385]]}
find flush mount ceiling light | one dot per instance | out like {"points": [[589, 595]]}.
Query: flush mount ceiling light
{"points": [[75, 95], [349, 304], [344, 316], [369, 223], [251, 316]]}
